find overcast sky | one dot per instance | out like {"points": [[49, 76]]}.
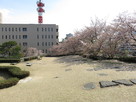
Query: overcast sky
{"points": [[70, 15]]}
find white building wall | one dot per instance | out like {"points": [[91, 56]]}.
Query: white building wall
{"points": [[40, 36]]}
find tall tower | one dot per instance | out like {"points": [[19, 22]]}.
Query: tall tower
{"points": [[0, 18], [40, 10]]}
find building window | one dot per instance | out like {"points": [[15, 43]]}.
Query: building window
{"points": [[16, 36], [45, 29], [9, 36], [42, 29], [24, 43], [5, 29], [42, 36], [6, 37], [13, 29], [45, 36], [24, 29], [2, 29], [56, 37], [52, 43], [24, 36], [37, 36], [16, 29], [2, 37], [42, 43], [9, 29], [56, 30], [37, 29], [48, 36], [48, 29], [19, 29], [19, 36], [12, 36], [42, 51], [52, 36], [52, 29], [46, 43], [37, 43]]}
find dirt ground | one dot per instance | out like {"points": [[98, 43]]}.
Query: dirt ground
{"points": [[61, 79]]}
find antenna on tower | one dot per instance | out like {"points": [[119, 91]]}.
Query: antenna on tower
{"points": [[40, 10]]}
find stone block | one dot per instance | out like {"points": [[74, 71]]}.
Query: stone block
{"points": [[124, 82], [104, 84], [133, 81]]}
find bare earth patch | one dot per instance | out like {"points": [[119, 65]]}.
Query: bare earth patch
{"points": [[64, 79]]}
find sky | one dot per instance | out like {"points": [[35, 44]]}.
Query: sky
{"points": [[70, 15]]}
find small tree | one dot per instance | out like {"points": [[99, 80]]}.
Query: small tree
{"points": [[10, 49]]}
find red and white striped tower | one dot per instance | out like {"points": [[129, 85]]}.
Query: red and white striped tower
{"points": [[40, 11]]}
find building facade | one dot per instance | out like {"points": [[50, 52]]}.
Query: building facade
{"points": [[40, 36], [0, 18], [69, 35]]}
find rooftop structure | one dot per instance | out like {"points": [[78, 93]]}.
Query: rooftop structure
{"points": [[40, 10]]}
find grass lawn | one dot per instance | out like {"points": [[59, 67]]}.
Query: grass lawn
{"points": [[56, 80]]}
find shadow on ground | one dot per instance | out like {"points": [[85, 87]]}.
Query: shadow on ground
{"points": [[99, 64]]}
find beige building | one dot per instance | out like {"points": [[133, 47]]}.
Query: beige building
{"points": [[40, 36]]}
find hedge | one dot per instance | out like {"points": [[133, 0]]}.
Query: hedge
{"points": [[15, 71], [5, 60], [8, 83], [128, 59], [16, 74]]}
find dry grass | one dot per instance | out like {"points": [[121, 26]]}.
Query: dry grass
{"points": [[51, 83]]}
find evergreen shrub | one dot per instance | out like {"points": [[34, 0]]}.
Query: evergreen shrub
{"points": [[16, 74], [8, 83]]}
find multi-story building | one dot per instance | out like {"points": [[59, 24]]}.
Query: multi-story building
{"points": [[0, 18], [40, 36], [69, 35]]}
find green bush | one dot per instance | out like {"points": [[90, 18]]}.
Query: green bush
{"points": [[15, 71], [8, 83], [16, 74]]}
